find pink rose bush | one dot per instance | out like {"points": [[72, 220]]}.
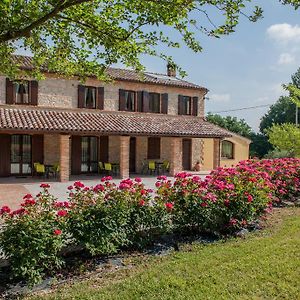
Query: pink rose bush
{"points": [[33, 236], [108, 217]]}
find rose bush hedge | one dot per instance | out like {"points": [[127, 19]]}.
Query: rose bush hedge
{"points": [[107, 217], [33, 235]]}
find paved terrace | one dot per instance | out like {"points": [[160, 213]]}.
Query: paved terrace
{"points": [[13, 189]]}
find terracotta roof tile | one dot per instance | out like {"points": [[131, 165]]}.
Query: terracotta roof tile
{"points": [[126, 75], [75, 121]]}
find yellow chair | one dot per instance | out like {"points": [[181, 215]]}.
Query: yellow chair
{"points": [[165, 166], [39, 168], [55, 169], [101, 167], [151, 167], [108, 168]]}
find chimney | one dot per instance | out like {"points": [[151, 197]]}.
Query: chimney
{"points": [[171, 69]]}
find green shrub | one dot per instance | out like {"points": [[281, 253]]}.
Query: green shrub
{"points": [[33, 236]]}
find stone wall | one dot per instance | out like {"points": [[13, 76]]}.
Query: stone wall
{"points": [[62, 93]]}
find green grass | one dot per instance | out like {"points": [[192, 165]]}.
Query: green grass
{"points": [[265, 265]]}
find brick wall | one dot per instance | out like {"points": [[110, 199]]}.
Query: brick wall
{"points": [[141, 152], [114, 149], [64, 155], [51, 149], [62, 93]]}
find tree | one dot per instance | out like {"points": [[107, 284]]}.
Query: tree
{"points": [[283, 111], [260, 145], [83, 37], [294, 88], [231, 123], [285, 137]]}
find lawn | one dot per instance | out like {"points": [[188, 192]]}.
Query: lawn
{"points": [[264, 265]]}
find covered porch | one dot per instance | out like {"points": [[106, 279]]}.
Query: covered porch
{"points": [[78, 141]]}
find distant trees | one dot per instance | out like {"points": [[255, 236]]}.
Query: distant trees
{"points": [[286, 138], [259, 146], [283, 111], [231, 123]]}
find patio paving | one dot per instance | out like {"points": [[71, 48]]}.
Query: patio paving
{"points": [[13, 189]]}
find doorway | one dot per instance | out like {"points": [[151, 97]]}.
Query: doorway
{"points": [[89, 154], [132, 155], [20, 155], [186, 154]]}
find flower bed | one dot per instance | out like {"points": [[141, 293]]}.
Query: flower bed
{"points": [[107, 217]]}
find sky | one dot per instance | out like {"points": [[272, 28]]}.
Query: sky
{"points": [[246, 68]]}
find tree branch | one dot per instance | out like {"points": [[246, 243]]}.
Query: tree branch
{"points": [[11, 35]]}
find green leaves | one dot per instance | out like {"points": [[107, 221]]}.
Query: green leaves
{"points": [[285, 137], [82, 37]]}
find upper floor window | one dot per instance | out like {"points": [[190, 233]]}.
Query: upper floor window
{"points": [[21, 92], [143, 101], [90, 97], [154, 103], [127, 100], [187, 105], [227, 150]]}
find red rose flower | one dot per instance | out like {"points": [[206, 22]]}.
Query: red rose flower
{"points": [[169, 206], [144, 192], [62, 213], [78, 185], [226, 202], [57, 232], [28, 202], [5, 210], [27, 196], [45, 185], [142, 203]]}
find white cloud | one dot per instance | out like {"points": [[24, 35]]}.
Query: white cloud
{"points": [[220, 97], [286, 59], [284, 33]]}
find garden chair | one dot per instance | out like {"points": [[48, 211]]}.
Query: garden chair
{"points": [[151, 167], [39, 168], [165, 167], [101, 167], [54, 170], [108, 168]]}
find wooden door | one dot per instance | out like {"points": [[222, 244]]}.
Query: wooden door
{"points": [[37, 148], [132, 155], [4, 155], [104, 144], [186, 154], [76, 155]]}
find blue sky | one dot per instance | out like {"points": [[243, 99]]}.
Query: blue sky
{"points": [[248, 67]]}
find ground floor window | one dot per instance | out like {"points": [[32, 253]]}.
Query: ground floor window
{"points": [[89, 154], [20, 155], [227, 150]]}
